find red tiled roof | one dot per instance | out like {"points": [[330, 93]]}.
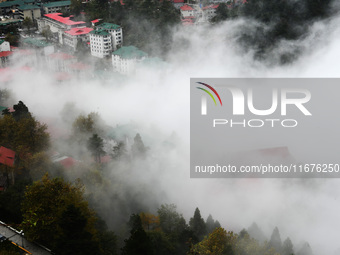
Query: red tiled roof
{"points": [[5, 53], [79, 31], [178, 1], [64, 20], [210, 7], [186, 8], [68, 162], [6, 156], [95, 20], [61, 55]]}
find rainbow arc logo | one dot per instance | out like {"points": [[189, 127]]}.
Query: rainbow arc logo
{"points": [[209, 93]]}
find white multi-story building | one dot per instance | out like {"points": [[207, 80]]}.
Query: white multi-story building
{"points": [[4, 46], [101, 44], [187, 12], [209, 11], [71, 37], [124, 60], [106, 37], [115, 31]]}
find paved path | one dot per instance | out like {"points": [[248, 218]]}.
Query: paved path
{"points": [[16, 237]]}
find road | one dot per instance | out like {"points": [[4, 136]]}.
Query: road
{"points": [[14, 236]]}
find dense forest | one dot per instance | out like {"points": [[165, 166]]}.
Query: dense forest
{"points": [[44, 195]]}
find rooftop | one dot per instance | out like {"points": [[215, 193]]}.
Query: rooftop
{"points": [[2, 108], [186, 8], [6, 156], [129, 52], [79, 31], [15, 3], [99, 32], [36, 42], [108, 26], [5, 53], [65, 20], [57, 4], [28, 7]]}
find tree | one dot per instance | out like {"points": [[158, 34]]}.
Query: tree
{"points": [[10, 201], [149, 221], [138, 243], [255, 232], [138, 148], [21, 132], [47, 33], [119, 151], [20, 111], [222, 13], [219, 242], [74, 237], [86, 124], [45, 204], [197, 225], [287, 247], [12, 38], [211, 224], [275, 240], [170, 220], [28, 23], [305, 249], [95, 145]]}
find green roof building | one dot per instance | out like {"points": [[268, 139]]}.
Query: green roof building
{"points": [[56, 6], [124, 60]]}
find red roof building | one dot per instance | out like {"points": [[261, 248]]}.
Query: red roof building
{"points": [[7, 156], [5, 53], [187, 11], [79, 31], [74, 35], [64, 20], [186, 8]]}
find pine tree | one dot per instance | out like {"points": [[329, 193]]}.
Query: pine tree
{"points": [[287, 247], [275, 240], [95, 145], [197, 225]]}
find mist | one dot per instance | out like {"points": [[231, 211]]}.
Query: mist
{"points": [[155, 101]]}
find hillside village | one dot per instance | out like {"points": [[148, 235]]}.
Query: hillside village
{"points": [[106, 180], [47, 34]]}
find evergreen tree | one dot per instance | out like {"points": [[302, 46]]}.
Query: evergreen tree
{"points": [[287, 247], [138, 243], [275, 240], [197, 225], [95, 145], [74, 239], [138, 148]]}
